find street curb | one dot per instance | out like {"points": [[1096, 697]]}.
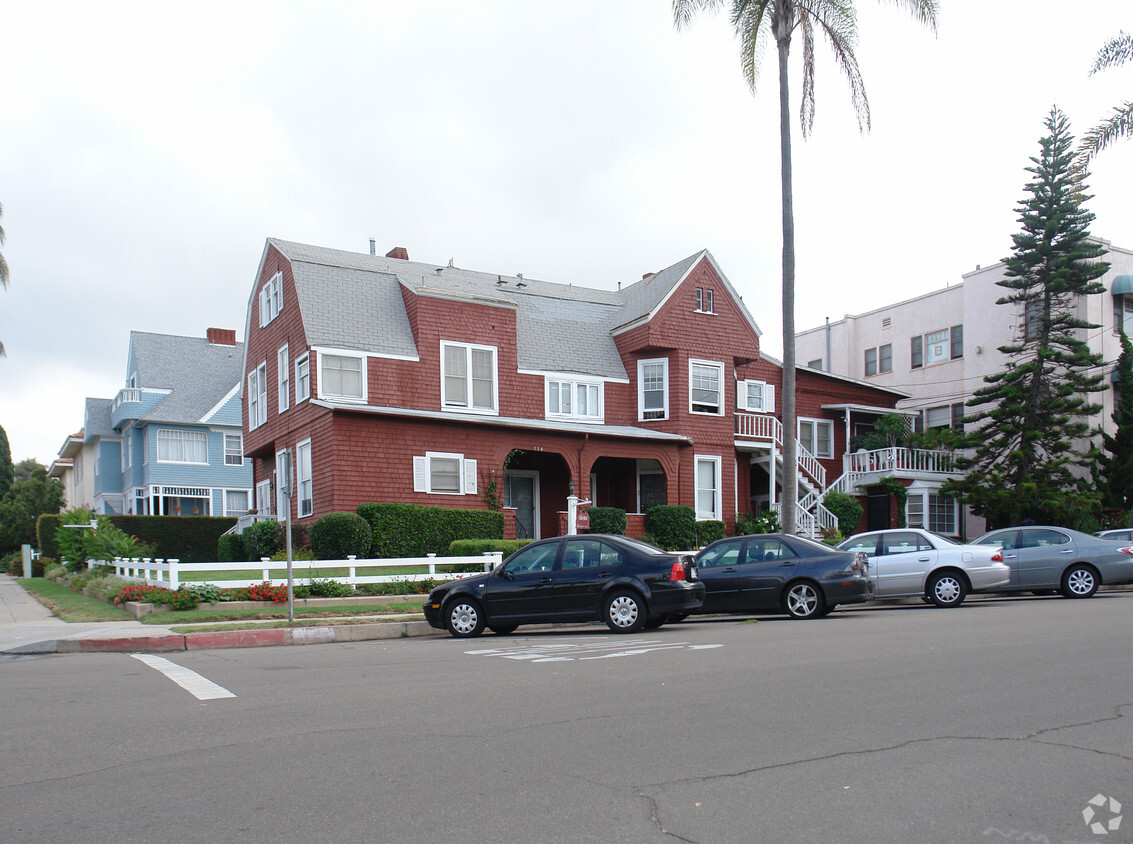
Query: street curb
{"points": [[274, 636]]}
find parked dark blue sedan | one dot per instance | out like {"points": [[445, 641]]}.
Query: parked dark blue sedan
{"points": [[629, 585], [775, 572]]}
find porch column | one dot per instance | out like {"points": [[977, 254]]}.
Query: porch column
{"points": [[771, 474]]}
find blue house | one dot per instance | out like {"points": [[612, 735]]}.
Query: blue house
{"points": [[170, 443]]}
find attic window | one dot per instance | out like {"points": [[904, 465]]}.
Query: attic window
{"points": [[704, 300], [271, 299]]}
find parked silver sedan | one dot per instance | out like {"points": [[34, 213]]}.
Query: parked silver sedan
{"points": [[1045, 558], [908, 562]]}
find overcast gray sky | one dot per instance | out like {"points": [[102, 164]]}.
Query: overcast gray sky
{"points": [[148, 149]]}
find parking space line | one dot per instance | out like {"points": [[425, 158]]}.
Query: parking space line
{"points": [[190, 681]]}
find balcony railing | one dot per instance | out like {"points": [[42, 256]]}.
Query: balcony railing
{"points": [[763, 426], [901, 461], [128, 394]]}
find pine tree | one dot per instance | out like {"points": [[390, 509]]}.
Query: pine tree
{"points": [[1028, 460], [1115, 464]]}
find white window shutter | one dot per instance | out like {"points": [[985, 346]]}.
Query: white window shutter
{"points": [[768, 398], [470, 477], [263, 307], [420, 474]]}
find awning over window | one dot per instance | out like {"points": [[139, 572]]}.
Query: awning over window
{"points": [[1122, 284]]}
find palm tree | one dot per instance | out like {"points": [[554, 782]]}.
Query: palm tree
{"points": [[3, 270], [756, 22], [1116, 51]]}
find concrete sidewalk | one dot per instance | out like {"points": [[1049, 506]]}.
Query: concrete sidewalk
{"points": [[28, 627]]}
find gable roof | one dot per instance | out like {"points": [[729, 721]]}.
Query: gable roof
{"points": [[352, 300], [199, 374]]}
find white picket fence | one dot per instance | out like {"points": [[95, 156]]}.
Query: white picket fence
{"points": [[168, 573]]}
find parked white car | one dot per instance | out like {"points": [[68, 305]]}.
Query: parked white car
{"points": [[908, 562]]}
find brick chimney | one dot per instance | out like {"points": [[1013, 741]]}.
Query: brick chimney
{"points": [[222, 336], [399, 252]]}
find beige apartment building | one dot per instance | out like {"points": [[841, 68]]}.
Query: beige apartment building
{"points": [[938, 347]]}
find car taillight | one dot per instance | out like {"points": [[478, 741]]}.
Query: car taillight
{"points": [[678, 572], [997, 557], [1128, 549]]}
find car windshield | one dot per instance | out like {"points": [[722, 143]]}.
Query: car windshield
{"points": [[945, 539], [811, 546]]}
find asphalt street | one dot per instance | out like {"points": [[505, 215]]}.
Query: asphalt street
{"points": [[997, 721]]}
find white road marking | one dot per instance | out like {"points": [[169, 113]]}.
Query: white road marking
{"points": [[190, 681], [590, 649]]}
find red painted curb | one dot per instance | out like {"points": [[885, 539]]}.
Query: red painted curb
{"points": [[131, 643], [235, 639]]}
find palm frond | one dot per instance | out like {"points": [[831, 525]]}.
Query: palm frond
{"points": [[1116, 51], [925, 11], [751, 21], [837, 21], [1118, 125], [685, 10], [806, 106]]}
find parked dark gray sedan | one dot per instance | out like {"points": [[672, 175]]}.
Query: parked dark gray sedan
{"points": [[1045, 558]]}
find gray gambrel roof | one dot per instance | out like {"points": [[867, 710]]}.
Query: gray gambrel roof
{"points": [[200, 374], [352, 300]]}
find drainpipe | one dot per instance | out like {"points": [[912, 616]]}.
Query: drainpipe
{"points": [[828, 344]]}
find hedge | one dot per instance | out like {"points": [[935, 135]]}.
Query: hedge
{"points": [[411, 530], [475, 547], [708, 531], [672, 526], [190, 539], [607, 520], [230, 548]]}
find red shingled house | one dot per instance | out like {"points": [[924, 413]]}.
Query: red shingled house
{"points": [[393, 380]]}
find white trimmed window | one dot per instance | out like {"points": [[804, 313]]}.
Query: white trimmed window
{"points": [[271, 299], [756, 396], [468, 377], [235, 502], [574, 400], [304, 481], [817, 437], [341, 377], [302, 378], [704, 303], [234, 450], [175, 446], [284, 370], [653, 389], [263, 498], [931, 511], [258, 396], [705, 378], [442, 473], [708, 487]]}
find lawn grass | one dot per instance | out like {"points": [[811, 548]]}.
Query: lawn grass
{"points": [[171, 617], [71, 606]]}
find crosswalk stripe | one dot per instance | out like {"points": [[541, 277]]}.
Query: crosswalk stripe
{"points": [[190, 681]]}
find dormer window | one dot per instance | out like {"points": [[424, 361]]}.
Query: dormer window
{"points": [[578, 400], [468, 377]]}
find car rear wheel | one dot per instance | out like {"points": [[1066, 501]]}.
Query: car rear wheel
{"points": [[947, 589], [464, 618], [804, 600], [1079, 581], [502, 629], [624, 612]]}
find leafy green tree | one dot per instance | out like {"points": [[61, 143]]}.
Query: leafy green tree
{"points": [[1115, 464], [1031, 419], [1116, 51], [25, 470], [7, 471], [26, 501], [755, 23]]}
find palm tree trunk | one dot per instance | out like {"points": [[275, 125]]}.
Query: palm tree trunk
{"points": [[790, 452]]}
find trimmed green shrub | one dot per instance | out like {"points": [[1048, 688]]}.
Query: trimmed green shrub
{"points": [[475, 547], [260, 540], [336, 536], [672, 526], [411, 530], [709, 530], [607, 520], [230, 548], [847, 509]]}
